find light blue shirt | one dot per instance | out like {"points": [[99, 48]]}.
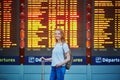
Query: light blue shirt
{"points": [[57, 53]]}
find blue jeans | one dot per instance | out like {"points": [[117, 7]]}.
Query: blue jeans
{"points": [[57, 73]]}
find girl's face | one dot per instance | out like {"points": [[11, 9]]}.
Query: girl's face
{"points": [[58, 35]]}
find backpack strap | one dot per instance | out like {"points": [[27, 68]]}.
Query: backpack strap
{"points": [[63, 50]]}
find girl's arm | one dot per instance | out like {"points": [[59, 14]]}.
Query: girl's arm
{"points": [[46, 59], [66, 60]]}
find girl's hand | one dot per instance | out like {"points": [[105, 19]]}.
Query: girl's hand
{"points": [[42, 58], [58, 65]]}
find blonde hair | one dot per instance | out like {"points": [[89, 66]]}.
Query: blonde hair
{"points": [[62, 35]]}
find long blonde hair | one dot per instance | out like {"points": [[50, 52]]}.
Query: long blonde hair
{"points": [[62, 35]]}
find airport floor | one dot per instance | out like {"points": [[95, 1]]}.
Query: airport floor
{"points": [[77, 72]]}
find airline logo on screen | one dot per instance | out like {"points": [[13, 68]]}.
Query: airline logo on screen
{"points": [[106, 60], [33, 59]]}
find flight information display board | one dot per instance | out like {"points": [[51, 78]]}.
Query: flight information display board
{"points": [[44, 16], [106, 31], [9, 31]]}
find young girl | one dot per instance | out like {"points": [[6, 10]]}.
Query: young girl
{"points": [[59, 52]]}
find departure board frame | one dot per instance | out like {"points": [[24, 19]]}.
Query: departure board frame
{"points": [[9, 32], [72, 13]]}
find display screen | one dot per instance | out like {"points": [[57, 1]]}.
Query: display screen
{"points": [[9, 28], [44, 16], [106, 30], [9, 32], [41, 19]]}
